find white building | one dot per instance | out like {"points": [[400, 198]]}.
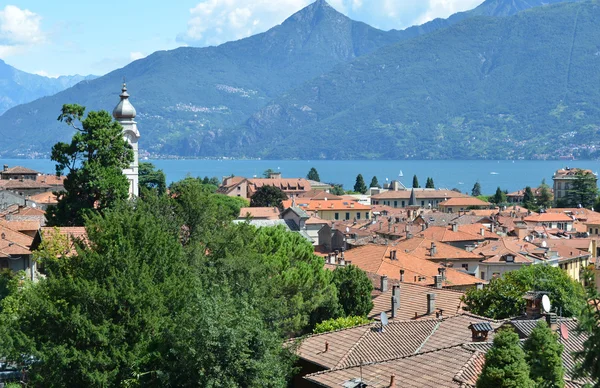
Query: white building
{"points": [[125, 113]]}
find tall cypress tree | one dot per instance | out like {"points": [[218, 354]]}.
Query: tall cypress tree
{"points": [[583, 190], [545, 198], [415, 184], [374, 182], [528, 198], [543, 353], [360, 186], [476, 191], [429, 184], [505, 365], [313, 175]]}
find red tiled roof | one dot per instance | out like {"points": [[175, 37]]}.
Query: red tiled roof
{"points": [[548, 217], [466, 202], [419, 194], [45, 198], [269, 213], [19, 170], [446, 234], [421, 248], [315, 205]]}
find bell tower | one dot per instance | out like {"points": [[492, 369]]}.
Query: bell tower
{"points": [[125, 113]]}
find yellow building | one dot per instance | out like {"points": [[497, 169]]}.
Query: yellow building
{"points": [[332, 210]]}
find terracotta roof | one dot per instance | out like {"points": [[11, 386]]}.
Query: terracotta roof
{"points": [[421, 248], [269, 213], [477, 228], [496, 251], [74, 234], [446, 234], [19, 225], [376, 259], [317, 221], [570, 172], [51, 179], [548, 217], [315, 205], [45, 198], [318, 194], [420, 194], [19, 170], [465, 201], [10, 235], [30, 211], [535, 190], [15, 184]]}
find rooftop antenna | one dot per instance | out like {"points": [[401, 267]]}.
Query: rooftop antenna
{"points": [[384, 320]]}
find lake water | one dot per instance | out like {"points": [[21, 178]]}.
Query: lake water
{"points": [[449, 174]]}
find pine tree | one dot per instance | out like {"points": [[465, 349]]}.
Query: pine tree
{"points": [[360, 186], [529, 199], [505, 365], [476, 191], [313, 175], [545, 198], [499, 197], [415, 184], [543, 353], [430, 184], [374, 182], [583, 190]]}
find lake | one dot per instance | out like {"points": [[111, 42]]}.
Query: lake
{"points": [[448, 174]]}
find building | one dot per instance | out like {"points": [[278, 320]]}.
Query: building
{"points": [[237, 186], [564, 178], [455, 205], [559, 221], [18, 172], [424, 198], [125, 114], [332, 210], [519, 196]]}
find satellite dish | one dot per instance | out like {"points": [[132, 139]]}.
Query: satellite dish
{"points": [[546, 304], [564, 331], [384, 320]]}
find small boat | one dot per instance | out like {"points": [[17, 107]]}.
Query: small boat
{"points": [[461, 183], [400, 173], [494, 173]]}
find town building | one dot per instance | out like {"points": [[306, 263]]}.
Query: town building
{"points": [[332, 210], [519, 195], [125, 114], [455, 205], [564, 178], [236, 186], [424, 198]]}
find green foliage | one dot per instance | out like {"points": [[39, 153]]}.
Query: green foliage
{"points": [[375, 182], [545, 196], [476, 190], [340, 323], [505, 365], [268, 172], [543, 353], [588, 359], [268, 196], [152, 179], [429, 184], [529, 200], [503, 296], [9, 283], [95, 160], [337, 189], [499, 197], [359, 185], [583, 191], [354, 290], [313, 175], [214, 181], [415, 183]]}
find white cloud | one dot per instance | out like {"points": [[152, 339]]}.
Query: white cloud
{"points": [[135, 55], [445, 8], [19, 29], [44, 73]]}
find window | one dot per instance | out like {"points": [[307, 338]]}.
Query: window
{"points": [[347, 216], [336, 216], [559, 185], [239, 188], [465, 267], [510, 259], [596, 230], [422, 203], [358, 215], [366, 215], [395, 203], [4, 263], [482, 275], [402, 203]]}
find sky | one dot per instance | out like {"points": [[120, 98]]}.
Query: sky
{"points": [[65, 37]]}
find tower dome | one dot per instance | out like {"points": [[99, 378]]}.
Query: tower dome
{"points": [[124, 110]]}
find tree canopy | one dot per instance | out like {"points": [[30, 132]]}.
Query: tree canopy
{"points": [[268, 196], [503, 296], [545, 197], [543, 353], [499, 197], [354, 290], [151, 179], [313, 175], [429, 184], [415, 182], [529, 200], [360, 186], [95, 159], [582, 192], [374, 182], [476, 190]]}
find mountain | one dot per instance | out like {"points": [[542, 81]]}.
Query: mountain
{"points": [[192, 101], [188, 94], [18, 87], [520, 86]]}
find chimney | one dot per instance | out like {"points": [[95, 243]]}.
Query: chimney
{"points": [[395, 229], [395, 301], [454, 227], [380, 224], [430, 303], [423, 227], [479, 286], [6, 167], [437, 281], [552, 321], [326, 347], [433, 250], [409, 236], [389, 226], [493, 227], [402, 275], [384, 283], [392, 381], [482, 232], [442, 272]]}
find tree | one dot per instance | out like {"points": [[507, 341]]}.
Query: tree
{"points": [[360, 186], [503, 296], [415, 183], [583, 190], [499, 197], [9, 282], [211, 181], [337, 189], [268, 172], [529, 199], [95, 159], [268, 196], [152, 179], [354, 290], [374, 182], [429, 184], [313, 175], [476, 191], [505, 365], [543, 353], [588, 360], [545, 197], [340, 323]]}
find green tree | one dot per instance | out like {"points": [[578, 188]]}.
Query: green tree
{"points": [[588, 359], [313, 175], [529, 199], [476, 190], [360, 186], [583, 190], [415, 183], [429, 184], [354, 290], [499, 197], [268, 196], [95, 160], [9, 282], [337, 189], [503, 296], [214, 181], [505, 365], [374, 182], [152, 179], [339, 323], [268, 172], [543, 353], [545, 197]]}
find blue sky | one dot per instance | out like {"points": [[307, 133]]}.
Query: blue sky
{"points": [[92, 37]]}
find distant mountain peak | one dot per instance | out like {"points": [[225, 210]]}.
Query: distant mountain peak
{"points": [[316, 11]]}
